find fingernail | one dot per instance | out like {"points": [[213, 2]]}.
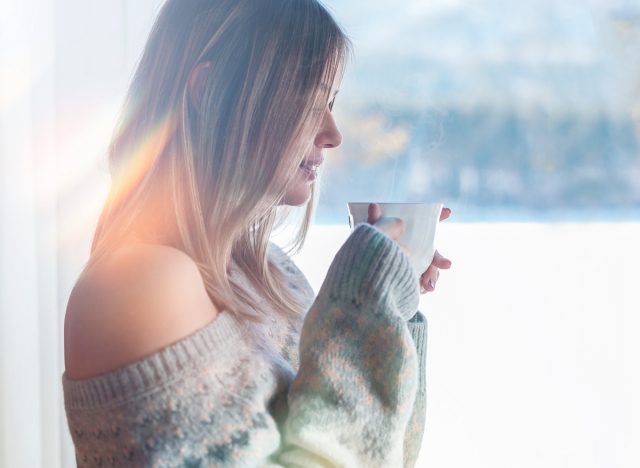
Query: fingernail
{"points": [[422, 290], [432, 285]]}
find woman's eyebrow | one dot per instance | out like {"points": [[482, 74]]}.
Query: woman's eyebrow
{"points": [[325, 87]]}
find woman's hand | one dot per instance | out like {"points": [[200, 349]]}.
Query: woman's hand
{"points": [[394, 228], [430, 277]]}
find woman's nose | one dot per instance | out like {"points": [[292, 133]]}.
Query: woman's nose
{"points": [[328, 136]]}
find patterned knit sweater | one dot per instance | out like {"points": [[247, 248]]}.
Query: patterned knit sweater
{"points": [[345, 387]]}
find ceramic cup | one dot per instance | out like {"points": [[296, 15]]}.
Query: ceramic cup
{"points": [[421, 222]]}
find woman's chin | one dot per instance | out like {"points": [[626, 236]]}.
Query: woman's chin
{"points": [[295, 201], [298, 195]]}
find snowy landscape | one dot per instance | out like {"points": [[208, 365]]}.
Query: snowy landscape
{"points": [[532, 357]]}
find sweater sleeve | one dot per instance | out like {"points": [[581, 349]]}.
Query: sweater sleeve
{"points": [[353, 399], [415, 430]]}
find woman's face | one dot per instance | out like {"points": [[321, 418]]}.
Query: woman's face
{"points": [[328, 136]]}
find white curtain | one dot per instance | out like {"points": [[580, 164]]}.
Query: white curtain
{"points": [[64, 66]]}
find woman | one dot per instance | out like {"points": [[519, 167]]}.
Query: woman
{"points": [[182, 332]]}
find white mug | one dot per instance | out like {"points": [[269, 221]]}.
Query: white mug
{"points": [[421, 223]]}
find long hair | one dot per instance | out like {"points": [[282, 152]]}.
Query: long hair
{"points": [[218, 171]]}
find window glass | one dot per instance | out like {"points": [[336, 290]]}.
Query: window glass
{"points": [[504, 111]]}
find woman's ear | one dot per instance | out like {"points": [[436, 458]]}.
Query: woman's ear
{"points": [[196, 83]]}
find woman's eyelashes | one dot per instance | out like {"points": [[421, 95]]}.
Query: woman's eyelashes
{"points": [[330, 106]]}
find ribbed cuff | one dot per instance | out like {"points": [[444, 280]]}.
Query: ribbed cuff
{"points": [[418, 330], [370, 269]]}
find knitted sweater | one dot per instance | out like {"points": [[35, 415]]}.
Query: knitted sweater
{"points": [[345, 387]]}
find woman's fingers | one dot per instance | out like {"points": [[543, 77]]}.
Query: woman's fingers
{"points": [[441, 262], [429, 279], [392, 227], [375, 213], [446, 212]]}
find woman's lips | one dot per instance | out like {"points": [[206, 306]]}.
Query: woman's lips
{"points": [[310, 167], [311, 172]]}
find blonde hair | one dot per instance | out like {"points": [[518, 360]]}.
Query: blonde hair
{"points": [[208, 179]]}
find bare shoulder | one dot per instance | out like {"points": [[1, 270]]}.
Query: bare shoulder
{"points": [[141, 299]]}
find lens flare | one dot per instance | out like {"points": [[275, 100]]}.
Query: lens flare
{"points": [[139, 162]]}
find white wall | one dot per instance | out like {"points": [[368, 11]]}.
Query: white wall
{"points": [[98, 45], [29, 409], [64, 66]]}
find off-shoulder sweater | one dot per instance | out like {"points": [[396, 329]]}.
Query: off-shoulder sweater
{"points": [[345, 387]]}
